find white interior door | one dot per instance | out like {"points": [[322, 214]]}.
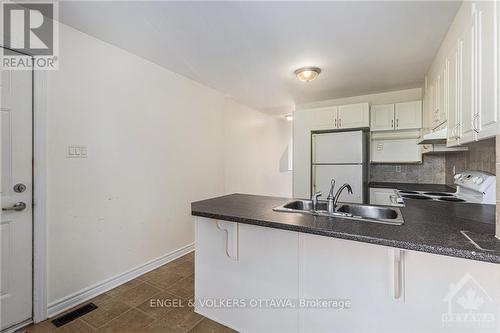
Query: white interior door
{"points": [[350, 174], [16, 221]]}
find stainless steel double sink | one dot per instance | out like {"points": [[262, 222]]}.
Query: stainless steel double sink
{"points": [[366, 213]]}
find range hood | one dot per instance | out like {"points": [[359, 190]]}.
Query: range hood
{"points": [[435, 143], [436, 137]]}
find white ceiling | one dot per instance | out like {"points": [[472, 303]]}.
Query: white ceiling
{"points": [[249, 50]]}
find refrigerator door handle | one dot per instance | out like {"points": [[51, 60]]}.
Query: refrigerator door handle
{"points": [[313, 148], [313, 175]]}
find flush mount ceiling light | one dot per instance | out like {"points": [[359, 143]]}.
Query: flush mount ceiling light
{"points": [[307, 74]]}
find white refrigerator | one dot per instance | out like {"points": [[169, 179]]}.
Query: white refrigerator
{"points": [[341, 156]]}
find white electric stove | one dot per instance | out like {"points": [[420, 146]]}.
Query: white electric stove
{"points": [[472, 187]]}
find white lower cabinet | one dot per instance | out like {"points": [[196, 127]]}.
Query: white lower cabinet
{"points": [[441, 291], [376, 288], [383, 196], [265, 268], [358, 273]]}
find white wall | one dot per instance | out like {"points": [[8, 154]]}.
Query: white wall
{"points": [[388, 97], [256, 147], [155, 143]]}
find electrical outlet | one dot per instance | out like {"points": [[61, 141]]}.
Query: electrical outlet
{"points": [[454, 170], [380, 146], [398, 168]]}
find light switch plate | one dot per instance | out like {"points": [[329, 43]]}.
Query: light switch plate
{"points": [[83, 151], [76, 151]]}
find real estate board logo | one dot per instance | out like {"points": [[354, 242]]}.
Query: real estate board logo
{"points": [[29, 35], [469, 304]]}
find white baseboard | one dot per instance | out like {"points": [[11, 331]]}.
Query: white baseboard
{"points": [[83, 295]]}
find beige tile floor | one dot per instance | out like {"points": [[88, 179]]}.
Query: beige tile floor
{"points": [[127, 308]]}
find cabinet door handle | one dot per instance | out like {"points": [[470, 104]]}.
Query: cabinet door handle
{"points": [[398, 272], [393, 199], [335, 122], [340, 122], [392, 123], [397, 123], [474, 119]]}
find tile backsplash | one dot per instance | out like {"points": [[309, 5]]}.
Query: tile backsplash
{"points": [[480, 156], [431, 171], [439, 169]]}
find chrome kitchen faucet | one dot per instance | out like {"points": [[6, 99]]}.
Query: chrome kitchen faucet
{"points": [[339, 192]]}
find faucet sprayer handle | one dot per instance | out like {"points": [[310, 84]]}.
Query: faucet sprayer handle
{"points": [[332, 186], [314, 197]]}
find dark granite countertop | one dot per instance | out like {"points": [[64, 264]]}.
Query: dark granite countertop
{"points": [[430, 226], [413, 186]]}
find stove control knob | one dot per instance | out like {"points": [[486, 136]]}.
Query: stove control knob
{"points": [[479, 180], [475, 180], [457, 176]]}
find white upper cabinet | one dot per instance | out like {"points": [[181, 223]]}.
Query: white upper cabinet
{"points": [[408, 115], [399, 116], [467, 81], [382, 117], [452, 96], [464, 88], [324, 118], [441, 111], [488, 27], [353, 115], [436, 93], [428, 104], [336, 117], [435, 100]]}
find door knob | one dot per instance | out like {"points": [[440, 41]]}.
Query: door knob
{"points": [[19, 206]]}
